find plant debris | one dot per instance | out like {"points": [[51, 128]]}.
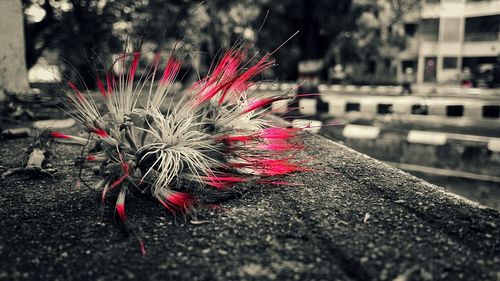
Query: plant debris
{"points": [[36, 155]]}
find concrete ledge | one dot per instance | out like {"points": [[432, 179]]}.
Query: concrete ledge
{"points": [[459, 152], [355, 219], [448, 108]]}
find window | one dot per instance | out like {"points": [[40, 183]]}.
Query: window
{"points": [[352, 106], [409, 64], [483, 28], [450, 62], [455, 110], [372, 65], [420, 109], [387, 63], [491, 111], [384, 108], [410, 29], [471, 152], [429, 28], [321, 106]]}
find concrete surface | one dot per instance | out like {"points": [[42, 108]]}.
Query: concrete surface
{"points": [[354, 219]]}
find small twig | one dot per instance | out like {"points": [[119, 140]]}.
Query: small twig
{"points": [[34, 164], [81, 164]]}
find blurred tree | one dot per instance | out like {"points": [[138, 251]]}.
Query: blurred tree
{"points": [[318, 22], [87, 29], [341, 31], [203, 28], [229, 23], [156, 20], [39, 31], [76, 27], [77, 30], [13, 73], [374, 37]]}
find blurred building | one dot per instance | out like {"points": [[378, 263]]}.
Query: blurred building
{"points": [[449, 39]]}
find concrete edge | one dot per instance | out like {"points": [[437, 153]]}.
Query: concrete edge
{"points": [[455, 197]]}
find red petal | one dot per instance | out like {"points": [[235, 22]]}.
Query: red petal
{"points": [[171, 71], [100, 132], [101, 87], [118, 181], [77, 92], [133, 67], [262, 102], [91, 157], [223, 182], [178, 202], [110, 82], [242, 82], [59, 135], [142, 247], [235, 138], [280, 146], [279, 133], [120, 205]]}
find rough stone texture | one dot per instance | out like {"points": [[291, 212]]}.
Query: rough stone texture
{"points": [[353, 219]]}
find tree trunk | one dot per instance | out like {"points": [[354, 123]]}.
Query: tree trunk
{"points": [[13, 72]]}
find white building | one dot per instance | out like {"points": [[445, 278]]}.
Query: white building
{"points": [[449, 36]]}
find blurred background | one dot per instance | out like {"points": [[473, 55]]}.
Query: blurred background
{"points": [[410, 82], [356, 41], [367, 42]]}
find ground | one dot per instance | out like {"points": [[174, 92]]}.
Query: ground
{"points": [[353, 218]]}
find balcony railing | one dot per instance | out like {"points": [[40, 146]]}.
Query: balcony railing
{"points": [[480, 36]]}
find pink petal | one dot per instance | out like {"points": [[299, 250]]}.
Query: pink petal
{"points": [[133, 67], [171, 70], [101, 87], [120, 205], [59, 135], [77, 92]]}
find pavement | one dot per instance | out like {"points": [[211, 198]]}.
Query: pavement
{"points": [[353, 218]]}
